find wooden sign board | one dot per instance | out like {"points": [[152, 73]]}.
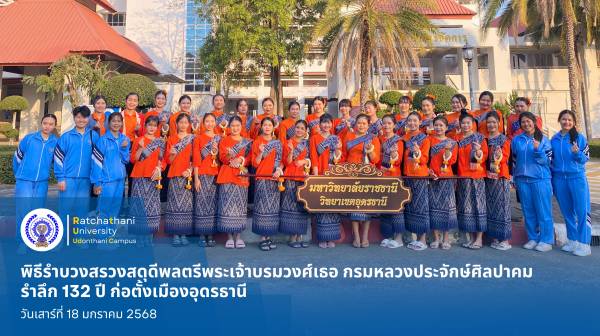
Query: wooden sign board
{"points": [[353, 187]]}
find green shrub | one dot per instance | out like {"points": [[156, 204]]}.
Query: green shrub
{"points": [[6, 172], [117, 88], [14, 103], [442, 93], [390, 98], [595, 148], [502, 107]]}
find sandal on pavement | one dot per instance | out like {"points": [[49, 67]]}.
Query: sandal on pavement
{"points": [[364, 244], [239, 244], [229, 244], [385, 242], [417, 246], [434, 244], [272, 245], [210, 242], [394, 244], [475, 246], [467, 244], [330, 244], [304, 244], [446, 245], [296, 244], [323, 244], [356, 243], [264, 245]]}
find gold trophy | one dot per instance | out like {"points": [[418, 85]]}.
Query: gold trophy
{"points": [[159, 179], [223, 124], [188, 185], [164, 129], [416, 156], [213, 152], [446, 158], [476, 165], [307, 166], [243, 169], [497, 156]]}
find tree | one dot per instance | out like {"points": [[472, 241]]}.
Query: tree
{"points": [[117, 88], [371, 34], [264, 35], [73, 74], [15, 104], [572, 24]]}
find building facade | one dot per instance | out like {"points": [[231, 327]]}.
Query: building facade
{"points": [[171, 31]]}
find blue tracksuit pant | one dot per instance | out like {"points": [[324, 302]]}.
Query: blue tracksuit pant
{"points": [[573, 196], [74, 201], [536, 200], [111, 197], [29, 195]]}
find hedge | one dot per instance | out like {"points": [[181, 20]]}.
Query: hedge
{"points": [[6, 172], [117, 88], [442, 93], [390, 98], [595, 148]]}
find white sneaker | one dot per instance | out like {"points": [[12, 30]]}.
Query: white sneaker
{"points": [[394, 244], [543, 247], [385, 242], [569, 246], [530, 245], [582, 250]]}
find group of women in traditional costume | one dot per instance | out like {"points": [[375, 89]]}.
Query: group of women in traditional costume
{"points": [[459, 166]]}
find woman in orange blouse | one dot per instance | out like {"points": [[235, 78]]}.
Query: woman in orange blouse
{"points": [[416, 157], [147, 157], [160, 101], [427, 115], [344, 124], [241, 110], [375, 124], [486, 102], [235, 156], [325, 151], [458, 103], [287, 128], [206, 168], [185, 107], [99, 118], [392, 151], [470, 193], [178, 218], [497, 185], [131, 127], [404, 107], [268, 106], [314, 119], [222, 119], [294, 219], [442, 202], [361, 147], [266, 159]]}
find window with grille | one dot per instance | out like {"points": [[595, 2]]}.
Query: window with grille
{"points": [[116, 19]]}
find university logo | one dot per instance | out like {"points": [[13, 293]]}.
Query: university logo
{"points": [[41, 230]]}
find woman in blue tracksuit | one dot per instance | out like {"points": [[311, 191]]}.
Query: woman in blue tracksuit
{"points": [[31, 166], [72, 158], [110, 154], [570, 153], [33, 158], [531, 157]]}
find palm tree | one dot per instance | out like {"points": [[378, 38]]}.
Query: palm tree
{"points": [[374, 34], [566, 21]]}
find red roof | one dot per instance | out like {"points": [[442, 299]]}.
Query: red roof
{"points": [[512, 31], [106, 5], [40, 32], [444, 9]]}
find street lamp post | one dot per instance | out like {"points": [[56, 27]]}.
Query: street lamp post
{"points": [[468, 55]]}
